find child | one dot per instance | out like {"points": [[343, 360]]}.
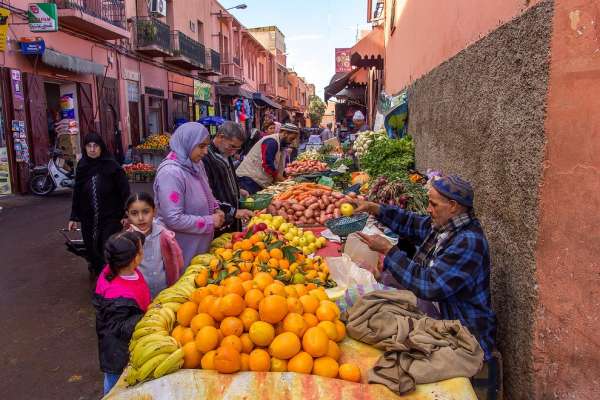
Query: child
{"points": [[163, 260], [122, 296]]}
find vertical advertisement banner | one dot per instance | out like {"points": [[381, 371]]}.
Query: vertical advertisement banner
{"points": [[342, 60], [4, 14], [4, 172]]}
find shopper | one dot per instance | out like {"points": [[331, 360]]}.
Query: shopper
{"points": [[121, 299], [218, 164], [358, 120], [101, 188], [163, 260], [184, 200]]}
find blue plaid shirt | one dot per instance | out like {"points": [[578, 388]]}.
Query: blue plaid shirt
{"points": [[455, 273]]}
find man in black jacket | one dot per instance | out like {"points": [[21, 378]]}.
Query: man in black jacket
{"points": [[220, 170]]}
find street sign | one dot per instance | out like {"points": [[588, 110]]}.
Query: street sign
{"points": [[43, 17]]}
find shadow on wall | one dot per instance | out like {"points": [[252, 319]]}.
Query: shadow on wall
{"points": [[481, 115]]}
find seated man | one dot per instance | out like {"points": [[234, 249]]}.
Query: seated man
{"points": [[452, 262]]}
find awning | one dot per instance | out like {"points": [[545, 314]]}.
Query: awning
{"points": [[71, 63], [264, 101], [341, 80], [233, 91], [369, 51]]}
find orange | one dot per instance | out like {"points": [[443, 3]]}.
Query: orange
{"points": [[201, 278], [349, 372], [309, 303], [245, 277], [253, 298], [232, 341], [208, 360], [247, 344], [235, 287], [333, 351], [279, 328], [261, 333], [199, 294], [213, 288], [294, 305], [228, 360], [272, 309], [260, 360], [177, 333], [227, 255], [319, 293], [232, 305], [291, 291], [187, 336], [341, 330], [261, 245], [329, 328], [275, 288], [326, 313], [237, 246], [326, 366], [301, 363], [248, 285], [246, 244], [186, 312], [206, 303], [215, 309], [285, 346], [295, 323], [284, 264], [310, 286], [311, 319], [263, 280], [248, 317], [244, 362], [232, 326], [300, 289], [273, 263], [278, 365], [276, 253], [315, 342], [263, 255], [247, 256], [191, 356], [201, 320], [254, 239], [332, 305], [277, 282], [207, 339]]}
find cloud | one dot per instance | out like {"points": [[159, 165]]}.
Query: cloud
{"points": [[298, 38]]}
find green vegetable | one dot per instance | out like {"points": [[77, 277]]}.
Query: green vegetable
{"points": [[389, 157]]}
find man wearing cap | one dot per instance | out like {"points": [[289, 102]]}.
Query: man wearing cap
{"points": [[359, 122], [452, 262], [264, 164]]}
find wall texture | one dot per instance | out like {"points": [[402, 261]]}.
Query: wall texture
{"points": [[481, 115]]}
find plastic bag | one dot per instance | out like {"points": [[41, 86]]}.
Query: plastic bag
{"points": [[347, 274]]}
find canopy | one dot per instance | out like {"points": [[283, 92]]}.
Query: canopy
{"points": [[233, 91], [262, 100], [369, 51], [341, 80], [71, 63]]}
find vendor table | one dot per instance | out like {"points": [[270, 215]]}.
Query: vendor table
{"points": [[200, 384]]}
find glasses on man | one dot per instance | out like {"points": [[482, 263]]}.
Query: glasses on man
{"points": [[92, 146]]}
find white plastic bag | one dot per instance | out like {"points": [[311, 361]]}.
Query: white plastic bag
{"points": [[347, 274]]}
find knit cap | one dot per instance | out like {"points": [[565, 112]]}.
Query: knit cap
{"points": [[455, 188]]}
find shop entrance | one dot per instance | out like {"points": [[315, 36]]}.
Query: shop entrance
{"points": [[155, 115]]}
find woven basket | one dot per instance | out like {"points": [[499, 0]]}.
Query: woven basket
{"points": [[344, 226]]}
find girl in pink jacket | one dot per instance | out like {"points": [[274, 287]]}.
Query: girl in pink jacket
{"points": [[162, 264]]}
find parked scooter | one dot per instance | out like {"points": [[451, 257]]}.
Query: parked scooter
{"points": [[57, 174]]}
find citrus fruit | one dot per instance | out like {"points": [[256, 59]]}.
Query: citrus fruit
{"points": [[311, 319], [294, 305], [275, 288], [227, 360], [232, 326], [325, 366], [207, 339], [260, 360], [278, 365], [263, 280], [201, 278], [253, 298], [235, 287], [329, 328], [341, 330], [206, 303], [291, 291], [244, 362], [309, 303], [326, 313], [177, 333], [187, 336], [262, 333], [215, 310], [208, 360], [349, 372], [315, 342], [276, 253], [232, 305], [248, 317], [191, 356], [272, 309], [200, 321], [247, 344], [285, 346], [295, 323], [333, 351], [233, 341], [186, 312], [301, 363], [199, 294]]}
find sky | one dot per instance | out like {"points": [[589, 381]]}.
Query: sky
{"points": [[312, 29]]}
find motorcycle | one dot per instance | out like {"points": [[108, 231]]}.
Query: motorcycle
{"points": [[57, 174]]}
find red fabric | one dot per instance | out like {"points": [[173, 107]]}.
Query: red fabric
{"points": [[136, 290], [172, 256], [331, 249], [268, 158]]}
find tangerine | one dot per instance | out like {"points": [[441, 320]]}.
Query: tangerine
{"points": [[201, 320], [215, 309], [232, 326], [228, 360], [333, 351], [187, 336], [315, 342], [244, 362], [247, 256], [341, 330], [278, 365], [273, 263], [206, 303], [208, 360], [276, 253], [295, 323], [319, 293], [247, 244], [232, 305], [285, 346], [263, 280], [249, 284], [248, 317], [263, 255], [261, 333], [191, 356], [301, 363], [247, 344], [272, 309], [275, 288], [349, 372], [177, 333], [186, 312], [201, 278], [260, 360], [329, 328], [233, 341], [235, 287], [245, 277], [326, 366], [199, 294], [253, 298], [309, 303], [326, 313], [207, 339], [311, 319], [294, 305], [300, 289], [284, 264]]}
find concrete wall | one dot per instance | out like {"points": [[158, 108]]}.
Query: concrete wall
{"points": [[428, 32], [481, 115], [567, 347]]}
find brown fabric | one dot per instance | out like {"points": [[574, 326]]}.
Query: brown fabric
{"points": [[417, 349]]}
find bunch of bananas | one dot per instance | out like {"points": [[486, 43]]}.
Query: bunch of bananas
{"points": [[221, 241], [178, 293], [153, 353]]}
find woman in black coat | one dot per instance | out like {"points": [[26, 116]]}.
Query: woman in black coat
{"points": [[101, 189]]}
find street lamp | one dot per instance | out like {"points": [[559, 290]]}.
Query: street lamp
{"points": [[238, 7]]}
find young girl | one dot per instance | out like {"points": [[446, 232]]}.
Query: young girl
{"points": [[163, 260], [122, 296]]}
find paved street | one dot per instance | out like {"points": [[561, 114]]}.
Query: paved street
{"points": [[49, 341]]}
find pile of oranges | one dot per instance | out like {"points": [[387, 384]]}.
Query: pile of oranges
{"points": [[260, 324], [263, 252]]}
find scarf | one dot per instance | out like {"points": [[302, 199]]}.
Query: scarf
{"points": [[438, 238], [89, 167]]}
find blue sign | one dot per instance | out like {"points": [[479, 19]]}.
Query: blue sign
{"points": [[33, 48]]}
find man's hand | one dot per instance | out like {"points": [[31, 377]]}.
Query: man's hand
{"points": [[366, 206], [72, 225], [376, 242], [244, 215], [244, 193], [218, 219]]}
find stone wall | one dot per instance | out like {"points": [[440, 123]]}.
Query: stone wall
{"points": [[481, 115]]}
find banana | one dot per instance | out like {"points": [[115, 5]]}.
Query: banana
{"points": [[152, 350], [148, 339], [169, 316], [169, 364], [152, 321], [173, 306], [139, 333], [131, 377], [145, 370]]}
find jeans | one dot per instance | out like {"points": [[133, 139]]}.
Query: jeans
{"points": [[109, 381]]}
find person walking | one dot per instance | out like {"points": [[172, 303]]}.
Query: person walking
{"points": [[101, 189], [183, 197]]}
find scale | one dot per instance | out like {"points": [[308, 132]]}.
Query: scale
{"points": [[344, 226]]}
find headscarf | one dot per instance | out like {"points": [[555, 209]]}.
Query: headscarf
{"points": [[87, 167], [277, 126]]}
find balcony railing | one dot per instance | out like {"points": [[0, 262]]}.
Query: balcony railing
{"points": [[153, 35], [215, 61], [232, 70], [267, 89], [184, 46], [111, 11], [236, 61]]}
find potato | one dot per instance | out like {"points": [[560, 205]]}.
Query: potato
{"points": [[325, 200], [272, 209], [330, 208], [282, 213], [299, 213], [321, 204], [308, 213], [336, 213], [337, 195], [298, 207], [352, 195]]}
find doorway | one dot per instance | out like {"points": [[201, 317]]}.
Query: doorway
{"points": [[155, 116]]}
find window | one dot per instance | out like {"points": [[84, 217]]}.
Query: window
{"points": [[200, 30], [133, 92]]}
